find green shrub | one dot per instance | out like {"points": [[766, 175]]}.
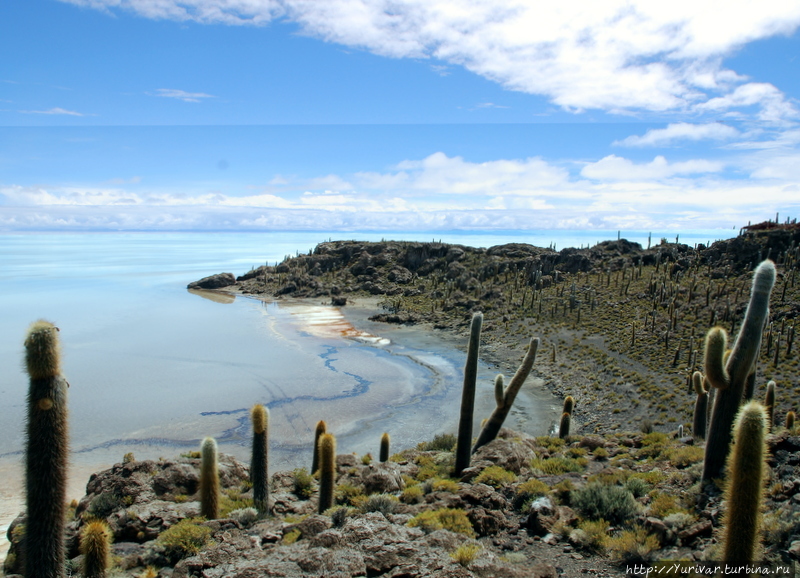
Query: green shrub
{"points": [[349, 494], [384, 503], [685, 456], [563, 491], [452, 519], [185, 538], [439, 443], [465, 554], [104, 505], [228, 504], [496, 477], [559, 465], [412, 495], [440, 485], [303, 483], [612, 503], [530, 490], [291, 537], [664, 504], [591, 535], [633, 546], [637, 486], [551, 444]]}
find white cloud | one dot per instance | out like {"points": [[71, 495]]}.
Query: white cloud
{"points": [[773, 106], [55, 110], [614, 168], [181, 94], [680, 131], [616, 55]]}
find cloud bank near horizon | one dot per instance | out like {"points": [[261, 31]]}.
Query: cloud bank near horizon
{"points": [[436, 192]]}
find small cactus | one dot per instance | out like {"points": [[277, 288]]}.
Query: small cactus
{"points": [[563, 426], [259, 463], [327, 471], [209, 480], [504, 402], [769, 404], [95, 545], [320, 429], [730, 376], [468, 396], [47, 448], [700, 407], [745, 488], [384, 455], [790, 417]]}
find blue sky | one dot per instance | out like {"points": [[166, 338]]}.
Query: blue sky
{"points": [[401, 115]]}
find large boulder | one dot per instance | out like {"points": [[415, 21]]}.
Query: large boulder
{"points": [[213, 281]]}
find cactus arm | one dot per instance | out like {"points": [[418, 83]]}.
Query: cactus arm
{"points": [[716, 344], [700, 418], [319, 430], [499, 391], [495, 422], [468, 396]]}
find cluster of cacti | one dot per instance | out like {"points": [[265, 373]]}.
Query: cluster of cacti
{"points": [[209, 480], [259, 463], [566, 417], [745, 486], [504, 398], [730, 378], [700, 420], [464, 440], [327, 471], [95, 545], [46, 454]]}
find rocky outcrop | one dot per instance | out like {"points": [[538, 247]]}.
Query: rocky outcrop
{"points": [[217, 281]]}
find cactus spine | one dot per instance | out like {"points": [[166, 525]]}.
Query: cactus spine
{"points": [[95, 545], [320, 429], [769, 404], [384, 456], [731, 377], [209, 480], [700, 407], [46, 453], [745, 487], [468, 396], [327, 471], [504, 402], [259, 463]]}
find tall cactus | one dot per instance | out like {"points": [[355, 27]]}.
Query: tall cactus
{"points": [[790, 417], [564, 425], [209, 480], [729, 378], [745, 488], [95, 545], [468, 396], [327, 471], [569, 405], [700, 407], [259, 463], [46, 452], [384, 454], [505, 399], [318, 431]]}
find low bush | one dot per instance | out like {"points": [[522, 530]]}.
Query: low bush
{"points": [[496, 477], [185, 538], [452, 519], [613, 503]]}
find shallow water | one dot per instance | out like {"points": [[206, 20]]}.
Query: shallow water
{"points": [[154, 368]]}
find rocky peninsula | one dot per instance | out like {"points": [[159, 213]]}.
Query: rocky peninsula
{"points": [[621, 330]]}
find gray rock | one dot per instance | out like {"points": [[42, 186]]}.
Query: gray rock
{"points": [[214, 281]]}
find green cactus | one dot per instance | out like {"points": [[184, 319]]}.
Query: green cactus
{"points": [[327, 471], [700, 407], [47, 448], [259, 463], [505, 399], [790, 417], [730, 377], [209, 480], [384, 455], [569, 405], [95, 545], [745, 487], [564, 424], [468, 396], [320, 429], [769, 404]]}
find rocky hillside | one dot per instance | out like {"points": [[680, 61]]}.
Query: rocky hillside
{"points": [[526, 507]]}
